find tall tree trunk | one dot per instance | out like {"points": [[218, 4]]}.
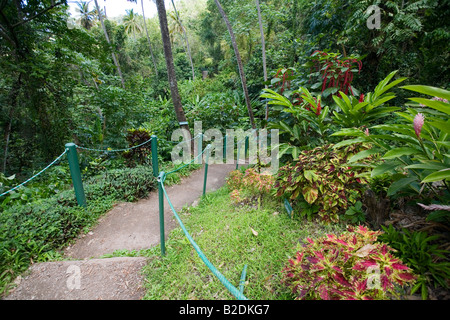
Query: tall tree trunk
{"points": [[148, 39], [116, 62], [13, 103], [240, 66], [181, 117], [188, 48], [263, 44]]}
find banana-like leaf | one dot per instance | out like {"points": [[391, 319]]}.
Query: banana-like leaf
{"points": [[437, 176], [431, 91]]}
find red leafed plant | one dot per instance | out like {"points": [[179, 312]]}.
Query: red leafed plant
{"points": [[336, 72], [249, 186], [352, 266]]}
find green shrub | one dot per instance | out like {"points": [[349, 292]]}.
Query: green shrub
{"points": [[351, 266], [422, 253], [33, 231], [127, 184], [249, 186], [321, 181]]}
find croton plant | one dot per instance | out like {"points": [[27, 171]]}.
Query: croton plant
{"points": [[351, 266], [320, 181]]}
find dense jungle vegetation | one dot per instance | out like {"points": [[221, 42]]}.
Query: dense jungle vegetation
{"points": [[362, 113]]}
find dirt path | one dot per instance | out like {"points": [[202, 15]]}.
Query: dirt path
{"points": [[129, 226]]}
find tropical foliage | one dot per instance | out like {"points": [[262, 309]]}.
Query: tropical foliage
{"points": [[362, 115]]}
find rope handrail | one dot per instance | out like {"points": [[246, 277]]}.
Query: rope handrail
{"points": [[190, 162], [114, 150], [179, 141], [37, 174], [232, 289]]}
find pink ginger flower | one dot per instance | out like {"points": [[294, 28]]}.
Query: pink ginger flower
{"points": [[439, 99], [419, 120]]}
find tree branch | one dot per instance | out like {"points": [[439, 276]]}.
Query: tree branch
{"points": [[38, 14], [6, 37]]}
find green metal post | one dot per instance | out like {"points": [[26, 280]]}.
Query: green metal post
{"points": [[159, 177], [161, 212], [155, 165], [206, 168], [75, 173]]}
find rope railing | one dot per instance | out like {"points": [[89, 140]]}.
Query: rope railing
{"points": [[114, 150], [237, 293], [78, 186], [36, 175]]}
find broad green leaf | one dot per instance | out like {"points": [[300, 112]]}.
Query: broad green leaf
{"points": [[347, 142], [362, 155], [329, 91], [378, 89], [390, 85], [382, 100], [349, 132], [444, 143], [399, 184], [431, 91], [441, 125], [284, 149], [398, 152], [295, 152], [360, 105], [429, 165], [341, 104], [387, 166], [286, 127], [437, 176], [437, 105]]}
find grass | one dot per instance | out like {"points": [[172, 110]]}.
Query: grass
{"points": [[230, 237]]}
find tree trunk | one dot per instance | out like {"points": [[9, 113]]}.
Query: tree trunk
{"points": [[239, 62], [116, 62], [188, 48], [148, 40], [263, 44], [13, 103], [181, 117]]}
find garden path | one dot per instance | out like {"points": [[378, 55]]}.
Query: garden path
{"points": [[128, 226]]}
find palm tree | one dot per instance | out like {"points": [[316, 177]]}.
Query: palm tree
{"points": [[132, 23], [263, 44], [176, 100], [239, 62], [179, 26], [116, 62], [148, 39], [86, 16]]}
